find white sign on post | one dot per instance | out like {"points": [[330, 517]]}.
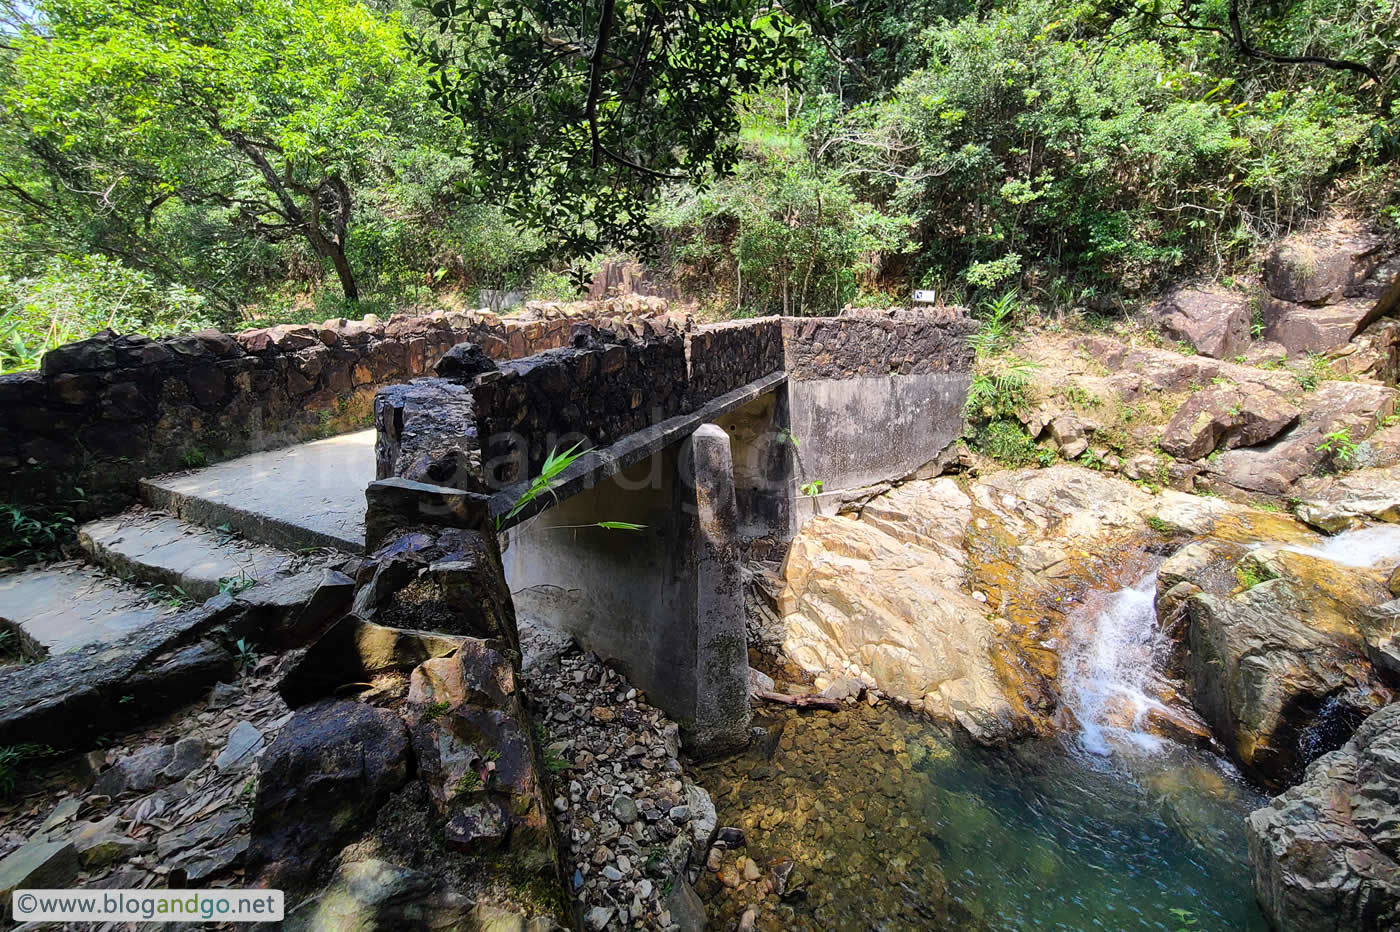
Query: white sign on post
{"points": [[925, 297]]}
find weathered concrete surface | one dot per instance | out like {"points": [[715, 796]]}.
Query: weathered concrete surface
{"points": [[159, 549], [63, 608], [601, 464], [863, 431], [665, 601], [716, 595], [70, 698], [311, 495], [763, 455]]}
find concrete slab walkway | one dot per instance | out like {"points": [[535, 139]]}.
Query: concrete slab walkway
{"points": [[62, 608], [309, 495], [157, 548]]}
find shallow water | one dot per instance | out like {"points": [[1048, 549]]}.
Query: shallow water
{"points": [[896, 823], [1364, 547], [1042, 838]]}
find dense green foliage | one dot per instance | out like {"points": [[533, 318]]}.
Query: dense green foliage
{"points": [[1042, 138], [166, 165], [783, 234], [69, 298], [576, 111]]}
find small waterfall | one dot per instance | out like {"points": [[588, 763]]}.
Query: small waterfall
{"points": [[1364, 547], [1110, 675], [1107, 675]]}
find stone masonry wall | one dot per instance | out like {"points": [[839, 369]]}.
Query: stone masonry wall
{"points": [[878, 342], [107, 411], [484, 431], [727, 356], [609, 385]]}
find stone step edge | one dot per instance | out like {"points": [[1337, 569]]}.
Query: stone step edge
{"points": [[128, 567], [274, 532]]}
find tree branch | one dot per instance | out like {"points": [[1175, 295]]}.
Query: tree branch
{"points": [[9, 184], [595, 77], [663, 176], [1244, 48]]}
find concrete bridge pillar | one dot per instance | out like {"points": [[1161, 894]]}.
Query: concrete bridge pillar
{"points": [[712, 596], [665, 603]]}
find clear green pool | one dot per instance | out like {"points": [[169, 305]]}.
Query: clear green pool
{"points": [[895, 825]]}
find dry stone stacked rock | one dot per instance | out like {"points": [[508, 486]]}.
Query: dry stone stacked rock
{"points": [[107, 411], [869, 343]]}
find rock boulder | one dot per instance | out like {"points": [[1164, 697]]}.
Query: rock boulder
{"points": [[1325, 852], [327, 773], [1272, 469], [1303, 329], [1215, 321], [1226, 417], [858, 600], [1321, 267], [1281, 670]]}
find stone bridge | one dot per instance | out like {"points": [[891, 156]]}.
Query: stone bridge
{"points": [[694, 442]]}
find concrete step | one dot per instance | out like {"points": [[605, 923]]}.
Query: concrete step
{"points": [[67, 606], [308, 495], [154, 548]]}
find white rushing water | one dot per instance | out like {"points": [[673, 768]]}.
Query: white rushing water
{"points": [[1106, 673], [1111, 665], [1363, 547]]}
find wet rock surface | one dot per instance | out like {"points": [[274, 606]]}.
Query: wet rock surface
{"points": [[1326, 853], [956, 599]]}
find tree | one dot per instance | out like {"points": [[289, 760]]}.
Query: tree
{"points": [[579, 111], [271, 109], [788, 231], [1225, 19]]}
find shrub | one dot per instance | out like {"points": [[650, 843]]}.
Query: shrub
{"points": [[75, 297], [31, 535], [1007, 442]]}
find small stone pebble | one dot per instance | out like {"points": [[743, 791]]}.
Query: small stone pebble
{"points": [[625, 808], [628, 808]]}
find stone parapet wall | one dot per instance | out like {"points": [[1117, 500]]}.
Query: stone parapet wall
{"points": [[608, 386], [615, 382], [730, 355], [107, 411], [867, 342]]}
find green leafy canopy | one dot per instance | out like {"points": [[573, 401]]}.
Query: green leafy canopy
{"points": [[578, 111]]}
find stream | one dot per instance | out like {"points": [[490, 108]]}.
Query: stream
{"points": [[895, 822], [902, 824]]}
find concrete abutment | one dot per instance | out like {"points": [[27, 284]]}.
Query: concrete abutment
{"points": [[664, 601]]}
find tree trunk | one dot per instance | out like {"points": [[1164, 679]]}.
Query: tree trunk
{"points": [[336, 253], [332, 247]]}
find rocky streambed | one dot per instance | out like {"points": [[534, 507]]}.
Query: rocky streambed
{"points": [[1063, 696], [876, 818]]}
